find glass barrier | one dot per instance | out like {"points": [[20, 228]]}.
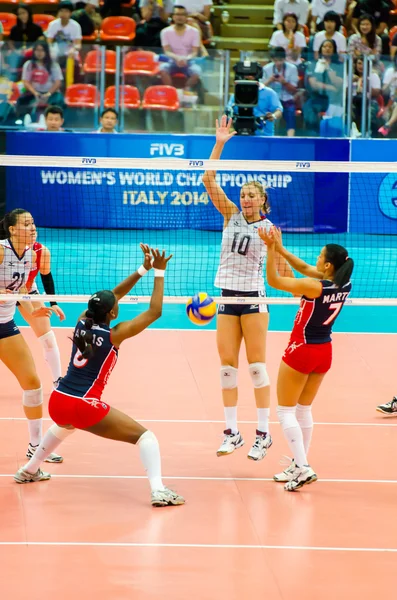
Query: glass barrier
{"points": [[379, 113], [123, 78]]}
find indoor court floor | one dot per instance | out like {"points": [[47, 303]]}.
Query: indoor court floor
{"points": [[91, 532]]}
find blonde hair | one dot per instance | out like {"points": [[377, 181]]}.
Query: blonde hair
{"points": [[262, 190]]}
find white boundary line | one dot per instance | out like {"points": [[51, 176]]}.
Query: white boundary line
{"points": [[192, 478], [204, 546], [209, 421]]}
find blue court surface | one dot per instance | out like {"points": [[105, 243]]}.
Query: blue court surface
{"points": [[84, 261]]}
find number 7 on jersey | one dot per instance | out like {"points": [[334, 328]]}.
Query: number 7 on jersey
{"points": [[335, 306]]}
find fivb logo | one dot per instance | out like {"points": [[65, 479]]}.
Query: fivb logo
{"points": [[303, 165], [167, 149], [88, 161]]}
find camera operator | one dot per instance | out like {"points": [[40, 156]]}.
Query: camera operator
{"points": [[265, 110]]}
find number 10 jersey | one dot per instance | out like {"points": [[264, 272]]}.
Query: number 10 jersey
{"points": [[14, 273], [243, 254]]}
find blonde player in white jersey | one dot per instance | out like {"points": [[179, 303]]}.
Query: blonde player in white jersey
{"points": [[17, 230], [240, 273]]}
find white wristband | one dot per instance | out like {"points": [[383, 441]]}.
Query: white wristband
{"points": [[141, 271], [159, 272]]}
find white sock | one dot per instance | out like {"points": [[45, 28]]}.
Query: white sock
{"points": [[149, 450], [52, 354], [35, 431], [293, 433], [263, 419], [54, 436], [305, 419], [231, 418]]}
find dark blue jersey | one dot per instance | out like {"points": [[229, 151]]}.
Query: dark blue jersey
{"points": [[87, 378], [315, 317]]}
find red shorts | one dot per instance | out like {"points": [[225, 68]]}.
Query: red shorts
{"points": [[79, 412], [308, 358]]}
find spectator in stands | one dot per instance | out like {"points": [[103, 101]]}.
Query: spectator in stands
{"points": [[325, 88], [111, 8], [282, 77], [332, 24], [7, 111], [389, 90], [88, 18], [64, 35], [155, 15], [200, 11], [268, 110], [42, 78], [380, 11], [366, 41], [319, 9], [300, 8], [393, 46], [108, 120], [54, 118], [181, 44], [25, 30], [289, 38], [373, 92]]}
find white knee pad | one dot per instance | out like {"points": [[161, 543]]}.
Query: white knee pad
{"points": [[32, 398], [228, 377], [60, 432], [286, 416], [304, 416], [48, 340], [148, 437], [259, 375]]}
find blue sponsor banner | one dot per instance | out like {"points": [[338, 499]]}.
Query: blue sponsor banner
{"points": [[376, 190], [109, 198]]}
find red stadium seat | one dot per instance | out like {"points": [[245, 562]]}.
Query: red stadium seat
{"points": [[43, 20], [82, 95], [160, 97], [118, 29], [141, 62], [8, 20], [42, 2], [129, 96], [92, 61], [392, 32], [91, 38]]}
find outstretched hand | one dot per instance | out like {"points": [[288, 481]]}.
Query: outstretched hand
{"points": [[278, 238], [160, 260], [223, 133], [147, 263], [267, 237], [47, 311]]}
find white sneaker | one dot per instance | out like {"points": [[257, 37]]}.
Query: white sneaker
{"points": [[300, 476], [230, 443], [52, 458], [262, 443], [285, 475], [22, 476], [166, 497]]}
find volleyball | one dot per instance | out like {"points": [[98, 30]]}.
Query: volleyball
{"points": [[201, 309]]}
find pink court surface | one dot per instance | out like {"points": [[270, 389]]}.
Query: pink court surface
{"points": [[90, 532]]}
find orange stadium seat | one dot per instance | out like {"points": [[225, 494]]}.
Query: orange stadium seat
{"points": [[41, 2], [129, 96], [118, 29], [161, 97], [92, 61], [141, 62], [8, 20], [92, 37], [392, 32], [82, 95], [9, 2], [43, 20]]}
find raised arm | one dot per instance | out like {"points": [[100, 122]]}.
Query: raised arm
{"points": [[126, 286], [48, 280], [128, 329], [218, 197], [296, 263]]}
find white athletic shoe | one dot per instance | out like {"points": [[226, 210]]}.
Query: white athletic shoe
{"points": [[285, 475], [230, 443], [22, 476], [262, 443], [166, 497], [52, 458], [300, 476]]}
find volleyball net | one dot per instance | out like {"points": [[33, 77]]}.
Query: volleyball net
{"points": [[92, 213]]}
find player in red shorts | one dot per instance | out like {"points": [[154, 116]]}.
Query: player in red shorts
{"points": [[41, 325], [77, 404], [308, 355]]}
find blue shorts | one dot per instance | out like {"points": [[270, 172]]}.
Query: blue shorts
{"points": [[8, 329], [237, 310], [289, 113]]}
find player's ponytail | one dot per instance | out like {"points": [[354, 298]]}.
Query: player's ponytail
{"points": [[10, 219], [343, 265]]}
